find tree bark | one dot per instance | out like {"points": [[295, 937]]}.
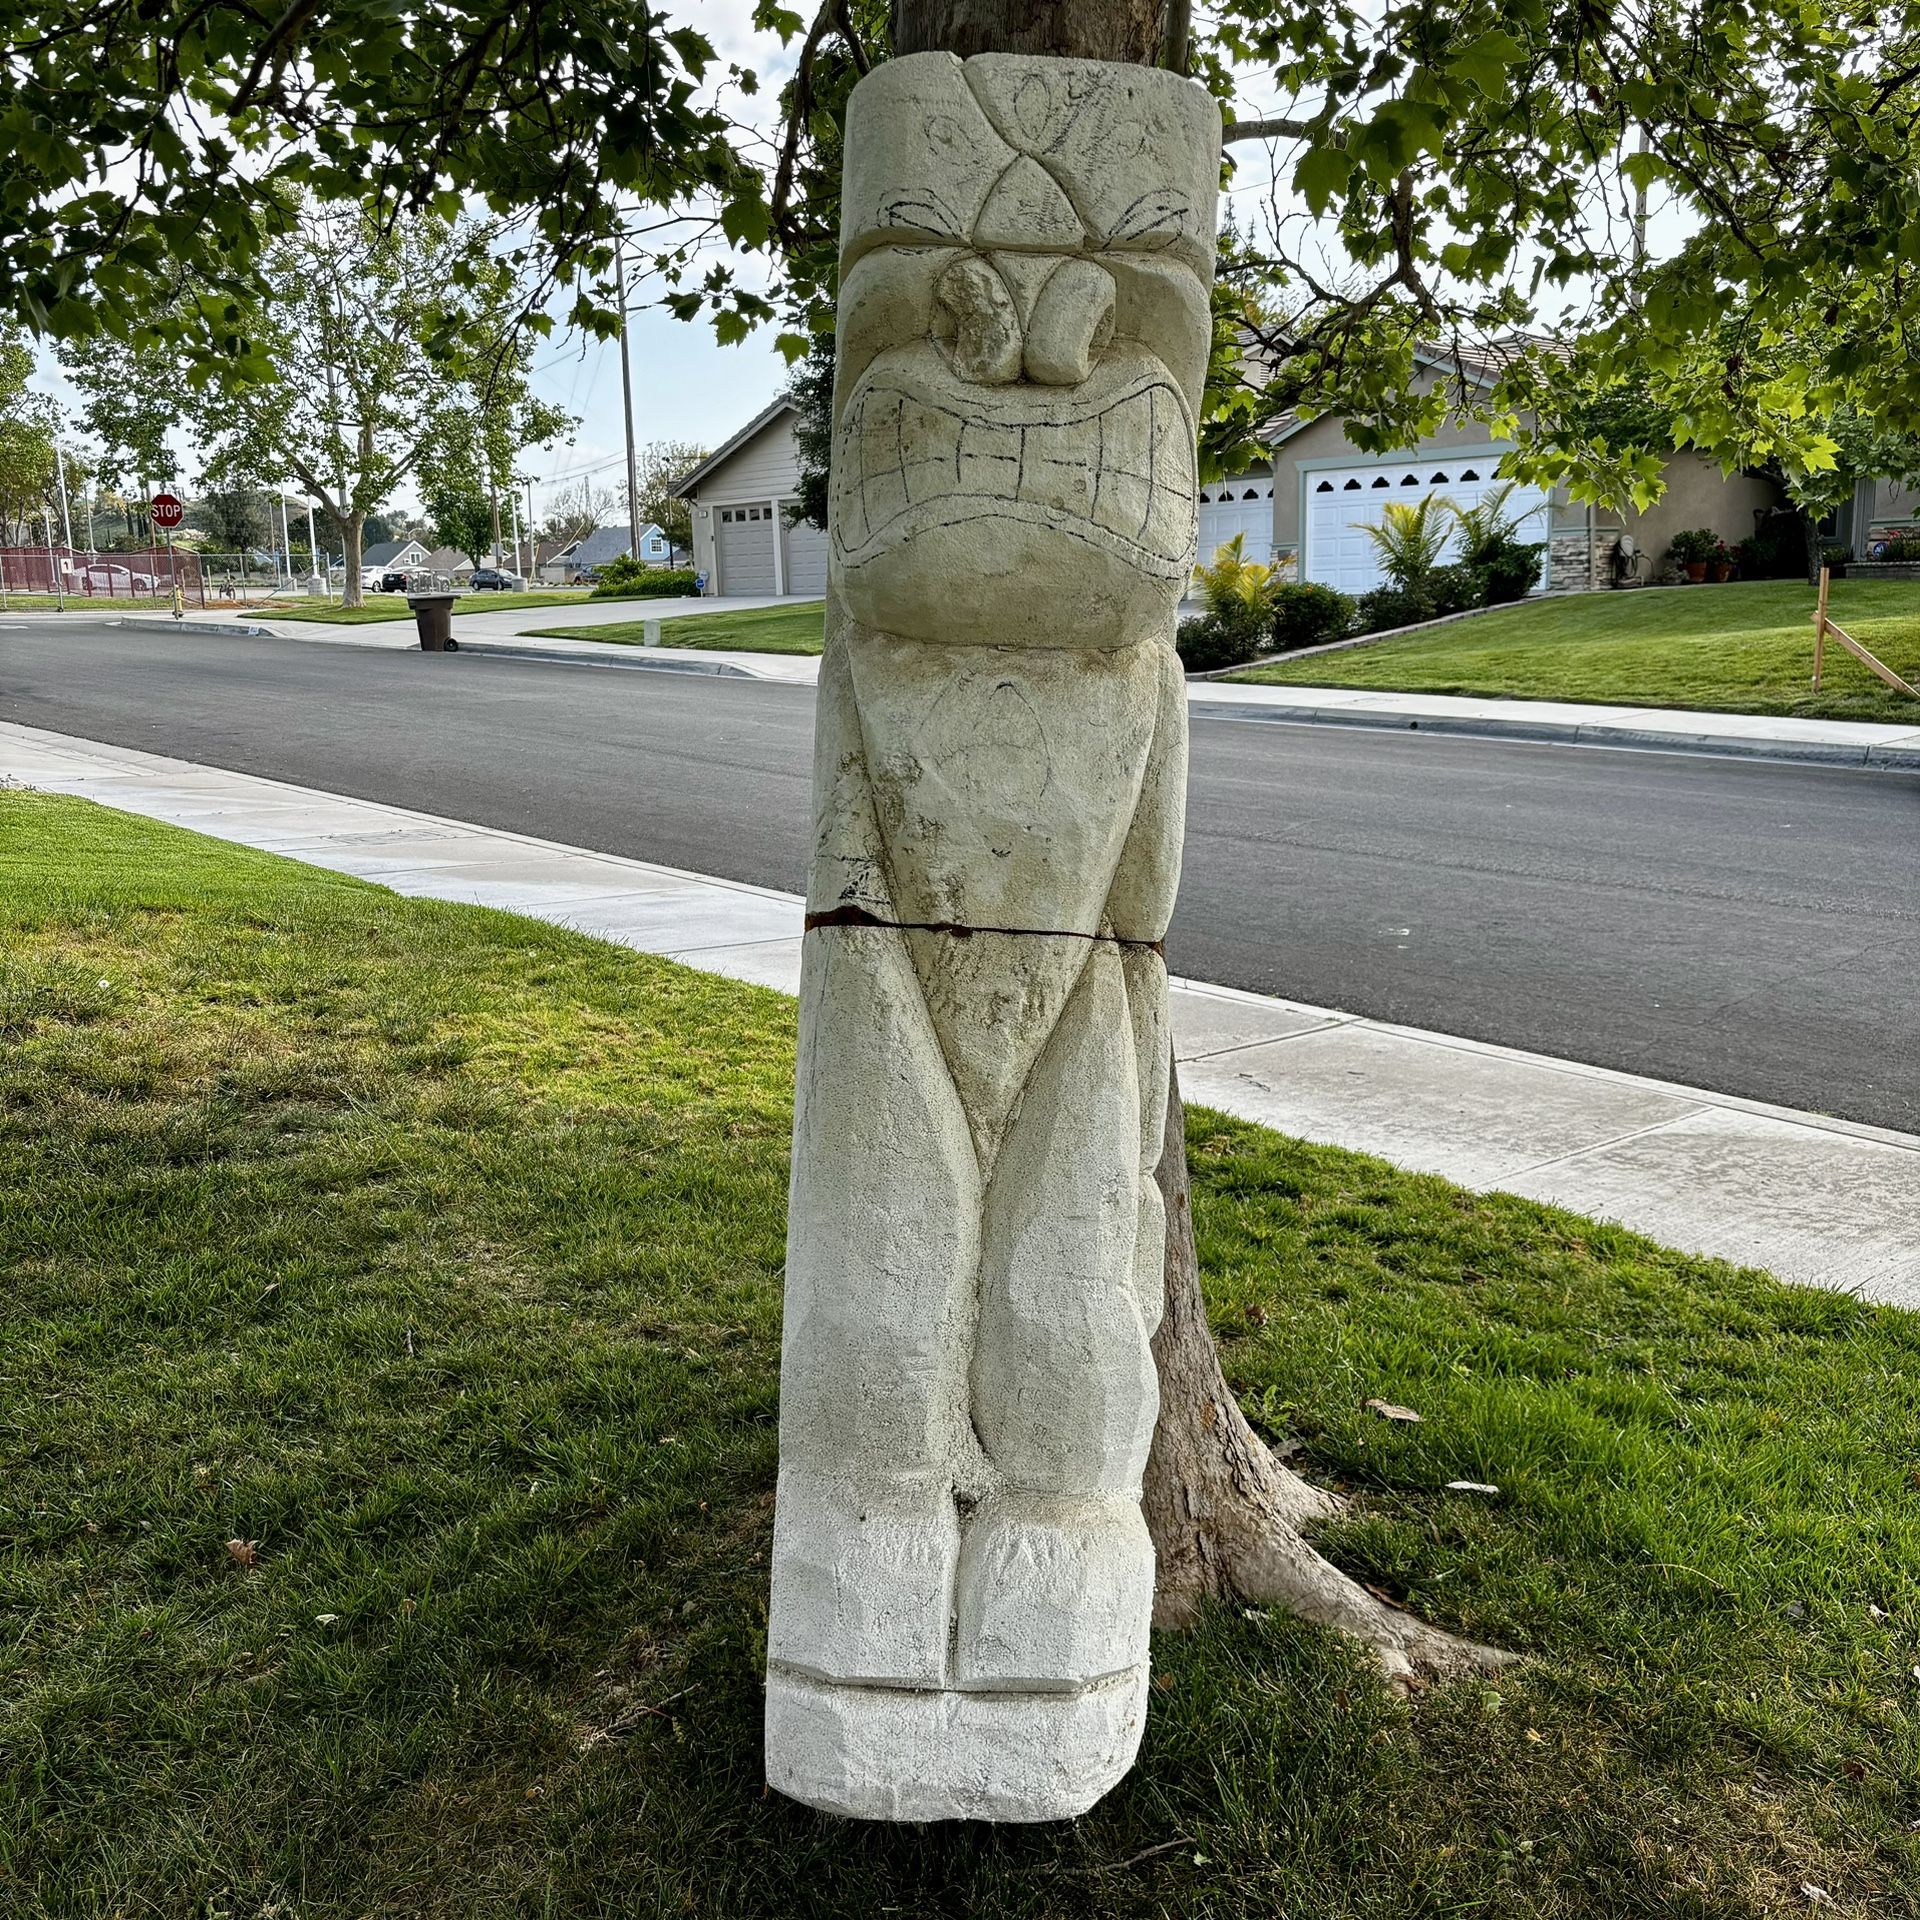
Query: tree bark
{"points": [[1128, 31], [353, 534], [1227, 1519]]}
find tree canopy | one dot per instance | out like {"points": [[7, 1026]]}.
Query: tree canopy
{"points": [[394, 352], [1462, 175]]}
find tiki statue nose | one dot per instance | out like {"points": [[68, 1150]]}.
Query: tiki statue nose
{"points": [[993, 332], [1071, 321]]}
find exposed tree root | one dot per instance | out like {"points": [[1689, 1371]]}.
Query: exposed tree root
{"points": [[1226, 1516]]}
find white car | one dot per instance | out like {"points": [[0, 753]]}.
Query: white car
{"points": [[370, 579]]}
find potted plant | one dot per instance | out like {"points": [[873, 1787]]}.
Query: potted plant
{"points": [[1720, 567], [1692, 551], [1835, 559]]}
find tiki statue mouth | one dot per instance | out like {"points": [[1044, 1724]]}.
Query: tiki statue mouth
{"points": [[1108, 464]]}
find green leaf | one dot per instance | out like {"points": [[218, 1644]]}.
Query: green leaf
{"points": [[1322, 175]]}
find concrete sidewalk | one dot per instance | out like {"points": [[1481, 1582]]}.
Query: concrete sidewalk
{"points": [[1818, 1201], [1877, 746]]}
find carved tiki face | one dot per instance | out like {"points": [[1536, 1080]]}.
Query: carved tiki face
{"points": [[1026, 251]]}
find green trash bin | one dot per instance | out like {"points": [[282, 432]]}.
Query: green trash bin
{"points": [[433, 615]]}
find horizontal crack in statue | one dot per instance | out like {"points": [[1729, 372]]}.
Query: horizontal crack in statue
{"points": [[962, 1580]]}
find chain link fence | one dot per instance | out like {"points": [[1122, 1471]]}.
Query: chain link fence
{"points": [[34, 578]]}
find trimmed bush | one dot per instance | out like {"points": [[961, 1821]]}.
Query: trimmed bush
{"points": [[1221, 639], [1388, 607], [1506, 570], [625, 579], [1305, 614], [1451, 589]]}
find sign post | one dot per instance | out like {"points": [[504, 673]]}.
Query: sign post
{"points": [[167, 513]]}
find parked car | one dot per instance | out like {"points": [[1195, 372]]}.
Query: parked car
{"points": [[493, 580], [585, 577], [370, 578]]}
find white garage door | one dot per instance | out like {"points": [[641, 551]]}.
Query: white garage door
{"points": [[1242, 505], [1341, 502], [743, 548], [806, 560]]}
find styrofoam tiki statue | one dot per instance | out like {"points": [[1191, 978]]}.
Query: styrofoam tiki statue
{"points": [[962, 1579]]}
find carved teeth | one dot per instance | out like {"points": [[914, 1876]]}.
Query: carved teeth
{"points": [[1126, 469]]}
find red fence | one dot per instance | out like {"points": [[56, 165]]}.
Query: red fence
{"points": [[147, 575]]}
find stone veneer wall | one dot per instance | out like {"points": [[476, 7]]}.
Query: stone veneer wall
{"points": [[1579, 563]]}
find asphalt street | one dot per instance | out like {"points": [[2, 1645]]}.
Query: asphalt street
{"points": [[1748, 927]]}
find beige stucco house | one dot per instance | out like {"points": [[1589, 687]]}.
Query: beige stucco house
{"points": [[1312, 500]]}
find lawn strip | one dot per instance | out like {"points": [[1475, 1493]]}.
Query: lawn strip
{"points": [[791, 627], [1738, 648], [388, 1372]]}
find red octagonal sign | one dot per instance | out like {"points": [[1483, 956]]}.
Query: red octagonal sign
{"points": [[166, 510]]}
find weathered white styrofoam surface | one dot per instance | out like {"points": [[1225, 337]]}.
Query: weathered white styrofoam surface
{"points": [[962, 1583]]}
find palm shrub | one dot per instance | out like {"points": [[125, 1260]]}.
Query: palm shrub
{"points": [[1504, 567], [1239, 597], [1235, 587], [1410, 537]]}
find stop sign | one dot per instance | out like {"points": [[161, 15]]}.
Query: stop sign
{"points": [[166, 510]]}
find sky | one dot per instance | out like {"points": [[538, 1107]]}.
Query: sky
{"points": [[686, 386]]}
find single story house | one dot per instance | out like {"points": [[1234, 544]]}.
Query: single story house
{"points": [[457, 566], [1305, 506], [1309, 505], [595, 549], [396, 556], [745, 536]]}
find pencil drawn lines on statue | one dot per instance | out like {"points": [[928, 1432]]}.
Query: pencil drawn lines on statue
{"points": [[962, 1578]]}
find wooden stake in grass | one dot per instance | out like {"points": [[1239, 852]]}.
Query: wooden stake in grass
{"points": [[1822, 626]]}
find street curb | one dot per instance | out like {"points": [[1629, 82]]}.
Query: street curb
{"points": [[140, 624], [656, 659], [1878, 759]]}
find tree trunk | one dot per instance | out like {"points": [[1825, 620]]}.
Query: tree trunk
{"points": [[1121, 30], [353, 533], [1811, 525], [1225, 1516]]}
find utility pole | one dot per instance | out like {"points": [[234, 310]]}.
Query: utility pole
{"points": [[53, 566], [513, 501], [533, 545], [626, 394]]}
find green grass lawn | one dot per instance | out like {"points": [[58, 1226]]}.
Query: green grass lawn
{"points": [[1740, 648], [99, 603], [791, 627], [393, 606], [388, 1360]]}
